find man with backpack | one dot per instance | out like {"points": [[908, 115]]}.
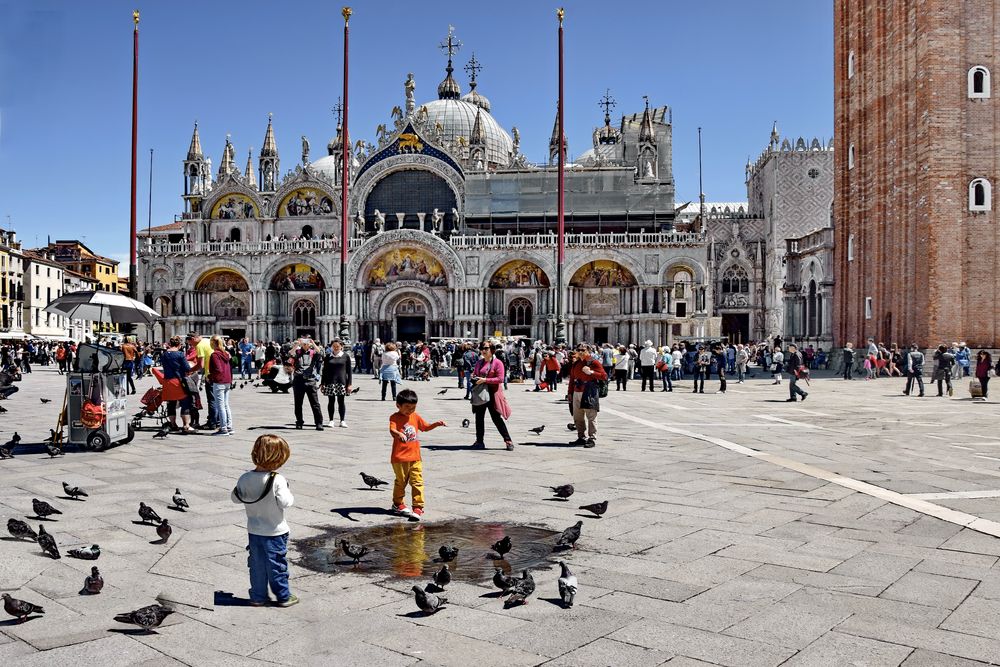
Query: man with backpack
{"points": [[914, 369]]}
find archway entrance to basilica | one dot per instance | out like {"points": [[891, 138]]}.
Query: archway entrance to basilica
{"points": [[411, 320]]}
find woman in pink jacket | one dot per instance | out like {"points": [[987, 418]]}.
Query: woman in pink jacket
{"points": [[487, 394]]}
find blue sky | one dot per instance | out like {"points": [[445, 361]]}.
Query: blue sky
{"points": [[729, 66]]}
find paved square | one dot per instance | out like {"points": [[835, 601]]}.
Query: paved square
{"points": [[857, 527]]}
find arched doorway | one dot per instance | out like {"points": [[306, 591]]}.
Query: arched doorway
{"points": [[519, 316], [411, 319], [304, 318], [235, 236]]}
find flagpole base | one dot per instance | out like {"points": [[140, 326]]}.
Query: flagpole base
{"points": [[560, 331]]}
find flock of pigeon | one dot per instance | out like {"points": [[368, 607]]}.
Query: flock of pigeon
{"points": [[148, 617]]}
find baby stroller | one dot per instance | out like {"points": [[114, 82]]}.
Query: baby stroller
{"points": [[152, 408], [419, 371]]}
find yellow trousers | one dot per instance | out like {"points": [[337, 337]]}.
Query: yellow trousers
{"points": [[412, 473]]}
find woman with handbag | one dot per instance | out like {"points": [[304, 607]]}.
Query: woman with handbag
{"points": [[220, 378], [175, 370], [389, 370], [487, 395], [337, 379], [984, 370]]}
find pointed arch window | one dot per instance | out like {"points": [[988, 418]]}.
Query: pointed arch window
{"points": [[979, 82], [735, 281], [980, 195], [519, 313], [304, 313]]}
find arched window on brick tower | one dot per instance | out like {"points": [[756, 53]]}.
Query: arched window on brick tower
{"points": [[980, 195], [979, 82]]}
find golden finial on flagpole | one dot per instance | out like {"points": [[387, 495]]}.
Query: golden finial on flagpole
{"points": [[346, 11], [560, 12], [135, 17]]}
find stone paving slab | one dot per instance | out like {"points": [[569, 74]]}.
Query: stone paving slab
{"points": [[705, 556]]}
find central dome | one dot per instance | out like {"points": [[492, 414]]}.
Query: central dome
{"points": [[457, 117]]}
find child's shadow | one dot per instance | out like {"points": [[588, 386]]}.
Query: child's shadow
{"points": [[224, 599], [346, 512]]}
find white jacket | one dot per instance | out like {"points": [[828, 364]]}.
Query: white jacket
{"points": [[267, 517]]}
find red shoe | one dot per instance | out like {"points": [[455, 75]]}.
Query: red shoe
{"points": [[400, 509], [418, 512]]}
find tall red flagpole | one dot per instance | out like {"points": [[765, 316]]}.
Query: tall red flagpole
{"points": [[344, 332], [561, 257], [133, 283]]}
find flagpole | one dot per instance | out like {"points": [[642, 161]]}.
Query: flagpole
{"points": [[132, 266], [561, 256], [344, 332]]}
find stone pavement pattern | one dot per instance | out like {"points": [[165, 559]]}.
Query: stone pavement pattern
{"points": [[709, 554]]}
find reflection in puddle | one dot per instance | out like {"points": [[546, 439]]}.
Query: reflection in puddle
{"points": [[411, 549]]}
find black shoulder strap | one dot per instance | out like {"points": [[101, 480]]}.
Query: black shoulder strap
{"points": [[264, 494]]}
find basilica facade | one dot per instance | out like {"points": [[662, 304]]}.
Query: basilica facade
{"points": [[451, 234]]}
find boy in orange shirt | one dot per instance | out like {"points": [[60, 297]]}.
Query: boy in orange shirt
{"points": [[404, 425]]}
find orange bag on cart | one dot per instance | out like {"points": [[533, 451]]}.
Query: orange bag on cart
{"points": [[93, 413]]}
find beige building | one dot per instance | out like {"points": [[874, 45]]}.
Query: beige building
{"points": [[43, 283]]}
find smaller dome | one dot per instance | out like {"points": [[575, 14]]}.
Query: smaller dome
{"points": [[449, 88], [473, 97], [328, 166]]}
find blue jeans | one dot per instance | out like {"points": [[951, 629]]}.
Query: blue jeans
{"points": [[223, 417], [268, 565], [667, 384], [246, 368]]}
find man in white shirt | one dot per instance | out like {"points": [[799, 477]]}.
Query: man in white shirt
{"points": [[647, 364]]}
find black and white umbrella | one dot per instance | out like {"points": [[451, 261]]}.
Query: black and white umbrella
{"points": [[102, 307]]}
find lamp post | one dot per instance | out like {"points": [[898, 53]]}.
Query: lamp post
{"points": [[561, 251], [344, 332]]}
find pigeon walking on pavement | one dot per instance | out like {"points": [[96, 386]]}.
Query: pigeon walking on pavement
{"points": [[148, 514], [567, 585], [354, 551], [502, 581], [164, 531], [465, 423], [373, 482], [428, 602], [48, 543], [146, 618], [597, 508], [521, 590], [74, 492], [93, 552], [538, 429], [162, 433], [442, 577], [569, 536], [443, 391], [54, 451], [179, 501], [93, 584], [42, 509], [564, 491], [20, 609], [21, 530], [502, 546], [45, 400]]}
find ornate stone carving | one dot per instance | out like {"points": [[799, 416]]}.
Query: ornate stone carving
{"points": [[472, 265]]}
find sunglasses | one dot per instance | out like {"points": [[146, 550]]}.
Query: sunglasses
{"points": [[485, 348]]}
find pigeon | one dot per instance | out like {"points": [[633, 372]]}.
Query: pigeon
{"points": [[93, 552], [538, 429], [372, 482], [6, 451], [596, 508], [564, 491], [242, 384], [442, 577], [53, 436], [20, 530], [54, 451], [232, 386], [148, 514], [47, 543], [20, 609], [162, 433], [521, 589], [355, 390], [164, 531], [93, 584], [43, 509], [354, 551], [14, 439], [74, 491], [569, 536], [428, 602], [502, 581], [179, 501], [567, 585], [502, 546], [465, 423], [443, 391], [146, 618], [3, 409], [448, 553], [45, 400]]}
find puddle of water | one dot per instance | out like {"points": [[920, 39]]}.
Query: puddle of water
{"points": [[408, 549]]}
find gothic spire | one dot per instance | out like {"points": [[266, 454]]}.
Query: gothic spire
{"points": [[478, 137], [646, 126], [449, 88], [775, 137], [228, 163], [270, 148], [251, 180], [194, 151]]}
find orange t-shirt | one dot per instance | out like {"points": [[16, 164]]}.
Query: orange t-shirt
{"points": [[408, 450]]}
